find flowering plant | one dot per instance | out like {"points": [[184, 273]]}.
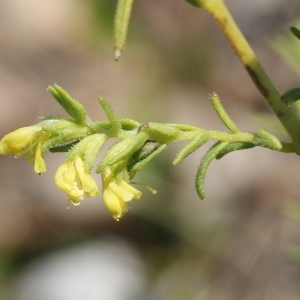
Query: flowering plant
{"points": [[137, 144]]}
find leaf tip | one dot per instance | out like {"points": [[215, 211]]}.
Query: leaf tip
{"points": [[117, 53]]}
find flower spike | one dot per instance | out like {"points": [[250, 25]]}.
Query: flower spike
{"points": [[136, 145]]}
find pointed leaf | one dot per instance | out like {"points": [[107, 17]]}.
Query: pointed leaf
{"points": [[190, 148], [114, 121], [267, 140], [137, 165], [234, 146], [291, 96], [227, 121], [295, 31], [206, 160]]}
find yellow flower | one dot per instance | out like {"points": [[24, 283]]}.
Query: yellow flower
{"points": [[26, 140], [72, 178], [116, 196]]}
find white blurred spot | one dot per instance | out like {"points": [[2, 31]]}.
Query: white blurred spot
{"points": [[109, 270]]}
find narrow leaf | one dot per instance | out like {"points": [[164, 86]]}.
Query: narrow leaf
{"points": [[228, 122], [267, 140], [190, 148], [197, 3], [114, 121], [137, 165], [234, 146], [295, 31], [206, 160], [291, 96]]}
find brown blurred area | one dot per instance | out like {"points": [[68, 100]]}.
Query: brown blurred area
{"points": [[230, 246]]}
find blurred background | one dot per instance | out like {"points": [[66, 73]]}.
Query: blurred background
{"points": [[241, 242]]}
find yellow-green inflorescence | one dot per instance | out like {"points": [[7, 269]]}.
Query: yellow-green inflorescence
{"points": [[137, 144]]}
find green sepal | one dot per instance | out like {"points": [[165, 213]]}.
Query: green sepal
{"points": [[123, 149], [57, 126], [63, 139], [267, 140], [115, 124], [63, 148], [75, 109], [88, 149], [144, 155], [115, 150], [103, 125], [135, 145], [190, 148], [163, 133], [295, 31], [291, 96], [128, 124], [197, 3], [120, 172], [234, 146], [62, 132], [206, 160], [121, 23]]}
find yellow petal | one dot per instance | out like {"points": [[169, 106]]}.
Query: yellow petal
{"points": [[65, 176], [39, 162], [125, 191], [115, 205], [75, 195], [16, 141], [86, 181]]}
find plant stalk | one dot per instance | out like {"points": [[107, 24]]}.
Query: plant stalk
{"points": [[286, 116]]}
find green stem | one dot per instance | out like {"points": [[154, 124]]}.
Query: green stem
{"points": [[286, 116], [231, 137]]}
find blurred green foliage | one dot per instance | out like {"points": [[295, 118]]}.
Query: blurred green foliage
{"points": [[102, 12], [288, 46]]}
